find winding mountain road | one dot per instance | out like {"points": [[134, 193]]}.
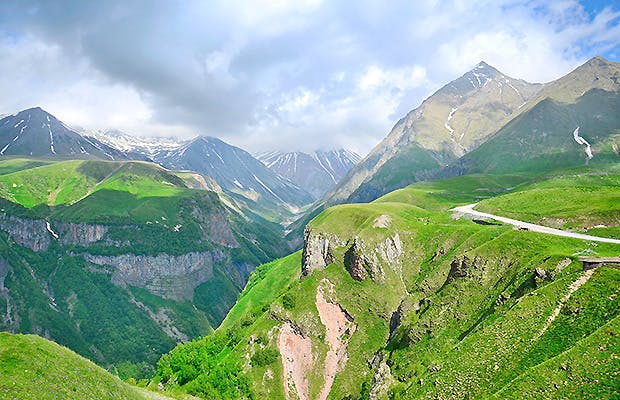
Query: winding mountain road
{"points": [[469, 210]]}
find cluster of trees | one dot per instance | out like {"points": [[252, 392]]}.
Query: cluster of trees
{"points": [[202, 368]]}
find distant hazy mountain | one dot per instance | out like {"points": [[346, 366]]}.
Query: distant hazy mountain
{"points": [[130, 144], [316, 172], [35, 132], [235, 170]]}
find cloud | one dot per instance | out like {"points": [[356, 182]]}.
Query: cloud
{"points": [[272, 73]]}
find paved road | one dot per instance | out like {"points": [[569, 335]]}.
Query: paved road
{"points": [[469, 210]]}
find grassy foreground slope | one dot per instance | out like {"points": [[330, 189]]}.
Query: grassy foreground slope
{"points": [[436, 308], [35, 368]]}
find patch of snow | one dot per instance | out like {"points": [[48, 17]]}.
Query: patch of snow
{"points": [[218, 156], [49, 229], [478, 78], [447, 124], [51, 138], [318, 159], [267, 188], [514, 88], [4, 149], [582, 141], [17, 124], [125, 142], [97, 147], [236, 182]]}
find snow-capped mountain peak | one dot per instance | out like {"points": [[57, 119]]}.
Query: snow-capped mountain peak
{"points": [[316, 172], [129, 143]]}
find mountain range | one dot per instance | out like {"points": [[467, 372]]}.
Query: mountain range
{"points": [[394, 291], [317, 172], [36, 133], [501, 124], [248, 183]]}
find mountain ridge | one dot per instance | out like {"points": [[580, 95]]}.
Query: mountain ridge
{"points": [[36, 133], [317, 172]]}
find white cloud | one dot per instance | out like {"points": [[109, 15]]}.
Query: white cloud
{"points": [[273, 74]]}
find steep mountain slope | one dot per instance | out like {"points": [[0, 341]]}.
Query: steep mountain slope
{"points": [[398, 299], [34, 368], [596, 73], [545, 136], [454, 120], [36, 133], [317, 172], [237, 173], [135, 146], [120, 260], [536, 135]]}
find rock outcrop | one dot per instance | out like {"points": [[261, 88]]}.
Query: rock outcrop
{"points": [[459, 268], [361, 259], [79, 234], [4, 270], [171, 277], [356, 263], [318, 250], [30, 233]]}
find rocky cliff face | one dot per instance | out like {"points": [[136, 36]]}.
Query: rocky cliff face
{"points": [[171, 277], [361, 259], [29, 233], [318, 250], [79, 234], [214, 227]]}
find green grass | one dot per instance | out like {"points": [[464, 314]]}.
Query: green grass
{"points": [[54, 184], [573, 199], [19, 164], [34, 368], [443, 194], [267, 283], [459, 336], [88, 190]]}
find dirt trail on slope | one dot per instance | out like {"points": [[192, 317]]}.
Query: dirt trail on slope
{"points": [[296, 353], [339, 327], [579, 282]]}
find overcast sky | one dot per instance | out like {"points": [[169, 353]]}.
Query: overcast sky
{"points": [[278, 74]]}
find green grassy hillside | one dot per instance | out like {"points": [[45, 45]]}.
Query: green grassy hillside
{"points": [[119, 261], [541, 139], [34, 368], [582, 199], [436, 308]]}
